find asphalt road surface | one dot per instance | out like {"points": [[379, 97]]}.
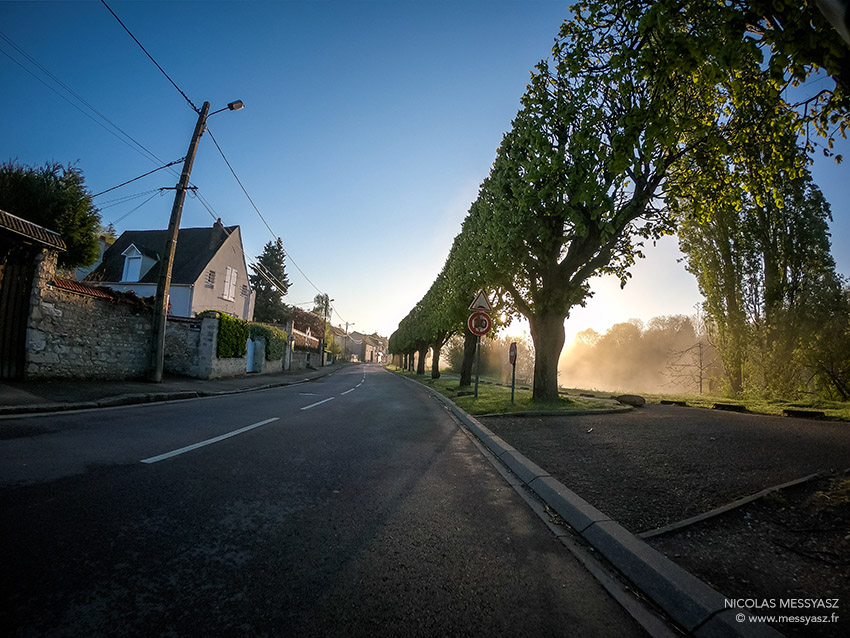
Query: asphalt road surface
{"points": [[349, 506]]}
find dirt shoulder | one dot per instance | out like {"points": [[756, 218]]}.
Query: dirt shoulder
{"points": [[662, 464]]}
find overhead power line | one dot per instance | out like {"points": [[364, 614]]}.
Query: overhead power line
{"points": [[174, 84], [257, 210], [130, 181], [102, 122]]}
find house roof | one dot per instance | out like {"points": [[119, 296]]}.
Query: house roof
{"points": [[31, 231], [195, 248]]}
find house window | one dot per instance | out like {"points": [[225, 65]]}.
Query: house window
{"points": [[211, 279], [230, 276], [132, 264]]}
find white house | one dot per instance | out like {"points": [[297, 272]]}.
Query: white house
{"points": [[209, 272]]}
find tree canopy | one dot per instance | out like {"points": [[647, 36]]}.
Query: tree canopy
{"points": [[270, 283], [642, 110], [55, 197]]}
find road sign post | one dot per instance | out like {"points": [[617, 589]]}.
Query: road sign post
{"points": [[512, 359], [479, 324]]}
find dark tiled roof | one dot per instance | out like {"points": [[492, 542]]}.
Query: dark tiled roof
{"points": [[31, 231], [195, 248]]}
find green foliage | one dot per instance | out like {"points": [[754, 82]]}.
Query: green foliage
{"points": [[270, 284], [765, 269], [233, 337], [275, 338], [55, 197], [644, 110]]}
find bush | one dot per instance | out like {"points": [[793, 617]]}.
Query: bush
{"points": [[233, 336], [275, 339]]}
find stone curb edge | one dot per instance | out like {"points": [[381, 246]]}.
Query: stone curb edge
{"points": [[140, 398], [694, 605]]}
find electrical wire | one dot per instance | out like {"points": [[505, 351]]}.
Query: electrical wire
{"points": [[127, 214], [126, 198], [239, 181], [139, 147], [130, 181], [168, 77]]}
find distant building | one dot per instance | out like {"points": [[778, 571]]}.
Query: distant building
{"points": [[366, 348], [209, 272]]}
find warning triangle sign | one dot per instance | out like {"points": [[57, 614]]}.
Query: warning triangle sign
{"points": [[480, 302]]}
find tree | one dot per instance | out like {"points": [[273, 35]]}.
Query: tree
{"points": [[574, 190], [765, 269], [322, 305], [55, 197], [270, 284]]}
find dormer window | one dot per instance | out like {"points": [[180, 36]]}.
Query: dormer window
{"points": [[132, 264]]}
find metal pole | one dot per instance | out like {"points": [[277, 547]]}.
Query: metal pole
{"points": [[477, 364], [160, 312]]}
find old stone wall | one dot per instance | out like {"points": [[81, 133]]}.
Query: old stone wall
{"points": [[75, 331], [73, 335], [183, 338]]}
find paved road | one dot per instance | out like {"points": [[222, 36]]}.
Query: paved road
{"points": [[355, 506]]}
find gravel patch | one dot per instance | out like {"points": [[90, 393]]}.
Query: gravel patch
{"points": [[662, 464]]}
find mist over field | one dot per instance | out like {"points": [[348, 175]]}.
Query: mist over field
{"points": [[665, 355]]}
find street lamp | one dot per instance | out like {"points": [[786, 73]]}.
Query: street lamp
{"points": [[160, 312]]}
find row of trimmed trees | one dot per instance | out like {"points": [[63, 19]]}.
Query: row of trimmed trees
{"points": [[640, 108]]}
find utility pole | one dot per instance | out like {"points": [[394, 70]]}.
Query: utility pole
{"points": [[160, 310], [163, 285]]}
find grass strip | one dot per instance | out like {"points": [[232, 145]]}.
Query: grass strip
{"points": [[496, 399]]}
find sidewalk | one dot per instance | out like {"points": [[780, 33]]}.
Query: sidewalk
{"points": [[23, 397]]}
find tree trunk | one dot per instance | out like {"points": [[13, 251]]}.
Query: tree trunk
{"points": [[420, 364], [547, 332], [435, 359], [469, 342]]}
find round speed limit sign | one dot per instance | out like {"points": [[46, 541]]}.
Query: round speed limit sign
{"points": [[479, 323]]}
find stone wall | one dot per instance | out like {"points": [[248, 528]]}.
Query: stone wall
{"points": [[183, 344], [76, 331], [74, 335]]}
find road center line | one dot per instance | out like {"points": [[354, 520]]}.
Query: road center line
{"points": [[195, 446], [347, 391], [313, 405]]}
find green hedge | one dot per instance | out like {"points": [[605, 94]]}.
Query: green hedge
{"points": [[275, 339], [233, 336]]}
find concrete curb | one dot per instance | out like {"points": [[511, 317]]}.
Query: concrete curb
{"points": [[140, 398], [696, 607]]}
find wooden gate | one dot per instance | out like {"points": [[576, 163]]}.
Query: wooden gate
{"points": [[15, 287]]}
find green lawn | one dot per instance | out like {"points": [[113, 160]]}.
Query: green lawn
{"points": [[834, 410], [496, 399]]}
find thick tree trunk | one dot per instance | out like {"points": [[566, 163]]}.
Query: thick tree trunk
{"points": [[547, 332], [420, 364], [435, 359], [469, 342]]}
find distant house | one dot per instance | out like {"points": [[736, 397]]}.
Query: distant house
{"points": [[367, 348], [209, 271]]}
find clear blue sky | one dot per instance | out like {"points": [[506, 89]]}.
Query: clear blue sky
{"points": [[367, 129]]}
